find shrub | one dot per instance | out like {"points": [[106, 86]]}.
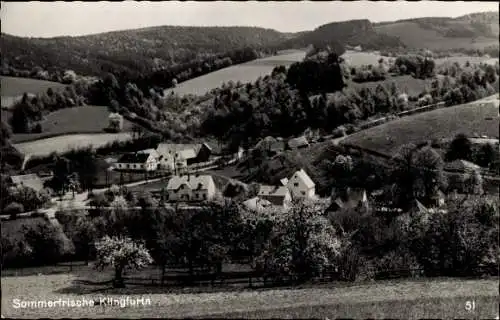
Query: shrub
{"points": [[13, 209]]}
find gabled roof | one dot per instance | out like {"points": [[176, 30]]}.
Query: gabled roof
{"points": [[186, 154], [32, 181], [461, 165], [302, 175], [298, 142], [134, 158], [273, 191], [201, 182], [150, 151], [184, 150]]}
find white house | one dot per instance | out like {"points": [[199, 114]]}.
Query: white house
{"points": [[145, 160], [115, 121], [191, 188], [179, 156], [300, 185], [257, 204]]}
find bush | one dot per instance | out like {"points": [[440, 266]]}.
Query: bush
{"points": [[13, 209]]}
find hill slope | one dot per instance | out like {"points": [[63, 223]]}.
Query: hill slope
{"points": [[477, 30], [352, 32], [138, 50]]}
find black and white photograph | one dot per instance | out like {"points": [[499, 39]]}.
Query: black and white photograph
{"points": [[250, 159]]}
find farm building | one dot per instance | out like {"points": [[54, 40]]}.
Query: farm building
{"points": [[115, 121], [351, 199], [276, 195], [145, 160], [300, 185], [191, 188], [32, 181], [182, 155], [297, 143]]}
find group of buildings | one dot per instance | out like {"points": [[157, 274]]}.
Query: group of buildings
{"points": [[166, 157]]}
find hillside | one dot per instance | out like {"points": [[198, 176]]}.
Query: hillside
{"points": [[132, 50], [338, 34], [474, 31]]}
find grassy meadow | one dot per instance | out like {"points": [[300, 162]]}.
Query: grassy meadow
{"points": [[63, 143], [475, 118], [425, 298], [14, 86], [84, 119], [414, 36], [245, 72]]}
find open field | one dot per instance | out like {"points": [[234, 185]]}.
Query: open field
{"points": [[414, 36], [407, 83], [426, 298], [14, 86], [471, 119], [65, 143], [462, 60], [356, 58], [245, 72], [85, 119]]}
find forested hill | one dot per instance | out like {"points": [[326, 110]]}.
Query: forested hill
{"points": [[352, 32], [477, 30], [138, 50]]}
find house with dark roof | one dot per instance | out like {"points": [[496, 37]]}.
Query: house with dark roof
{"points": [[461, 166], [145, 160], [32, 181], [276, 195], [191, 188], [350, 199]]}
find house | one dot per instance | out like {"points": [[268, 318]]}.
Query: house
{"points": [[350, 199], [461, 166], [257, 204], [301, 185], [182, 155], [276, 195], [32, 181], [298, 143], [145, 160], [191, 188], [439, 199], [115, 121]]}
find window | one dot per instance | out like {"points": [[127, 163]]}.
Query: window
{"points": [[197, 195], [204, 196], [128, 166], [296, 184], [303, 193]]}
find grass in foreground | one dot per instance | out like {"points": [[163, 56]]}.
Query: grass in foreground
{"points": [[436, 298], [470, 119]]}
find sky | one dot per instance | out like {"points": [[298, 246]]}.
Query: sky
{"points": [[50, 19]]}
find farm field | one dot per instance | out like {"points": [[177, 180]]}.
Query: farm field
{"points": [[406, 83], [246, 72], [475, 118], [437, 298], [14, 87], [462, 60], [356, 58], [85, 119], [417, 37], [67, 142]]}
